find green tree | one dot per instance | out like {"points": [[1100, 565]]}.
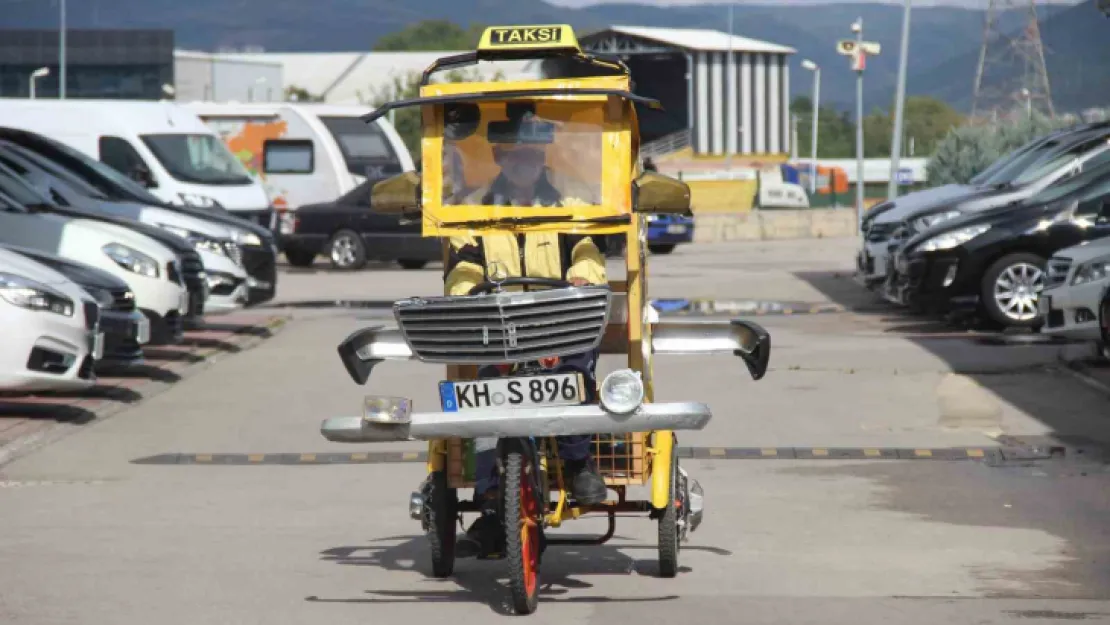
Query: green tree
{"points": [[836, 132], [926, 121], [431, 35], [300, 94], [406, 121], [969, 149]]}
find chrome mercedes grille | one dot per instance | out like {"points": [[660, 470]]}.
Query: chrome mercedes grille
{"points": [[1058, 268], [505, 327]]}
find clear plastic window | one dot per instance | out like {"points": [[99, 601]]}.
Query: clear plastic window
{"points": [[524, 153]]}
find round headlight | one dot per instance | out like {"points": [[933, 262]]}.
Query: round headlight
{"points": [[622, 391]]}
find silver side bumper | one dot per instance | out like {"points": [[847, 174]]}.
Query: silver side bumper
{"points": [[508, 423]]}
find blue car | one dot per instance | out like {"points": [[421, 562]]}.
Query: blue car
{"points": [[667, 231]]}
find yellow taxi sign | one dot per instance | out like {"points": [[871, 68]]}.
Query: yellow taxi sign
{"points": [[502, 39]]}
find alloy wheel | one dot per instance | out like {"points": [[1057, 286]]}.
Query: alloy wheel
{"points": [[343, 251], [1017, 289]]}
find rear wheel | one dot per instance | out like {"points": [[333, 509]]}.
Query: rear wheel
{"points": [[668, 526], [347, 251], [1104, 325], [300, 258], [661, 248], [1011, 288], [523, 520], [410, 263], [442, 511]]}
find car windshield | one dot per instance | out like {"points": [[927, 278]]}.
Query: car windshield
{"points": [[103, 177], [18, 190], [984, 177], [66, 176], [199, 159], [1048, 165], [1067, 187], [1008, 173], [365, 147]]}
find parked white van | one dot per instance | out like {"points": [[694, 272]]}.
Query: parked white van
{"points": [[307, 153], [161, 145], [52, 335]]}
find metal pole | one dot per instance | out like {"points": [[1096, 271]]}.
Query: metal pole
{"points": [[32, 83], [62, 53], [793, 137], [813, 139], [859, 130], [732, 94], [899, 105]]}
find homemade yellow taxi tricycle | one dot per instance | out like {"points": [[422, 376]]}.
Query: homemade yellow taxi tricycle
{"points": [[582, 116]]}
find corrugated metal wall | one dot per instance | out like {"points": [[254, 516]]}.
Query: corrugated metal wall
{"points": [[744, 108]]}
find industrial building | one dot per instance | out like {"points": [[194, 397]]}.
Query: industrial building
{"points": [[731, 93], [111, 64], [223, 78]]}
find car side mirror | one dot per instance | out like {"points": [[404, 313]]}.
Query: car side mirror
{"points": [[397, 195], [755, 346], [653, 192], [143, 176]]}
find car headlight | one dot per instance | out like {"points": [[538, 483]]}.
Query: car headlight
{"points": [[622, 391], [33, 295], [952, 239], [243, 237], [132, 259], [201, 242], [1092, 271], [198, 200], [929, 221]]}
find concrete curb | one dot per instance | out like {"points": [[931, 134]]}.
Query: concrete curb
{"points": [[763, 225], [103, 409]]}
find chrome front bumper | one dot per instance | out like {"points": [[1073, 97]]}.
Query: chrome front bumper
{"points": [[511, 423]]}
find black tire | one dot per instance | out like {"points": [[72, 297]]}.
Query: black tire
{"points": [[442, 510], [340, 244], [1104, 324], [300, 258], [412, 263], [668, 527], [519, 501], [1015, 265], [661, 248]]}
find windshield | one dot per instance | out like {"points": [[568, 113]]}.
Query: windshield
{"points": [[1067, 187], [198, 159], [103, 177], [549, 157], [1023, 162], [365, 147], [18, 190], [77, 183], [984, 177], [1051, 164]]}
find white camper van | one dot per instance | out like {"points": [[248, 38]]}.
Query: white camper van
{"points": [[307, 153], [162, 145]]}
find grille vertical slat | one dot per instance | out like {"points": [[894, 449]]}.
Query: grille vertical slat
{"points": [[505, 327]]}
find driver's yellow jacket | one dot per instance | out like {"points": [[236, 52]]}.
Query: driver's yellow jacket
{"points": [[535, 255]]}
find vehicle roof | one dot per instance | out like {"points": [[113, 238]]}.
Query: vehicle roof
{"points": [[88, 116], [272, 108]]}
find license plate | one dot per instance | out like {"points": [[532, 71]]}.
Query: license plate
{"points": [[98, 346], [676, 229], [142, 331], [540, 390]]}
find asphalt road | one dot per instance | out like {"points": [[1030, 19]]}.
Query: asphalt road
{"points": [[100, 527]]}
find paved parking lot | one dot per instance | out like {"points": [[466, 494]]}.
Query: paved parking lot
{"points": [[217, 500]]}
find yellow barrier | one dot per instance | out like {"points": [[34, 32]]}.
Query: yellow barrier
{"points": [[722, 196]]}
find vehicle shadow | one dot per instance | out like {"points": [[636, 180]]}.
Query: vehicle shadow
{"points": [[62, 413], [477, 581], [137, 370]]}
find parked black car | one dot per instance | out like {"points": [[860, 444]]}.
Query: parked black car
{"points": [[994, 261], [349, 233], [125, 328], [257, 242]]}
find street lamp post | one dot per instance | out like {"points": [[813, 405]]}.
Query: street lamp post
{"points": [[857, 27], [62, 50], [816, 69], [899, 105], [35, 75]]}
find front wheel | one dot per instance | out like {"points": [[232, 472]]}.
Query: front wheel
{"points": [[347, 251], [300, 258], [661, 248], [411, 263], [441, 517], [523, 521], [1011, 288], [669, 530]]}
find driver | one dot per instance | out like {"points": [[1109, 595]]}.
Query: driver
{"points": [[524, 181]]}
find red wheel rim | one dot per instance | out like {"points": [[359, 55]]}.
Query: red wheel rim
{"points": [[529, 531]]}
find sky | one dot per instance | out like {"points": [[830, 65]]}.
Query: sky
{"points": [[916, 3]]}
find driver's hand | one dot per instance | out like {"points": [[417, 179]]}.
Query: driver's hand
{"points": [[579, 282]]}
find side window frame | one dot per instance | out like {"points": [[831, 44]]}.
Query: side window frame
{"points": [[132, 153], [289, 142]]}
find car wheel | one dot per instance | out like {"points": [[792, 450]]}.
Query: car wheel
{"points": [[347, 251], [1104, 324], [300, 258], [660, 248], [1011, 288], [410, 263]]}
